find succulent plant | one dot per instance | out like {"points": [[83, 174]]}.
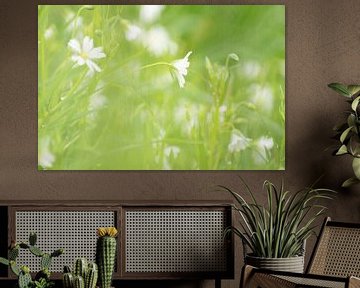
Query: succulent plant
{"points": [[42, 283], [42, 278], [106, 254], [85, 275], [79, 282], [25, 279], [68, 278], [80, 267], [91, 276]]}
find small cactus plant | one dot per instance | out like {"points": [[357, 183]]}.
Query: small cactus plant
{"points": [[42, 278], [81, 267], [85, 275], [79, 282], [106, 254]]}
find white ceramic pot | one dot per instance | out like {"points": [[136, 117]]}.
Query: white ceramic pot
{"points": [[291, 264]]}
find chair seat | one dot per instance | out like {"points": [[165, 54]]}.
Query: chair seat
{"points": [[315, 282], [335, 262], [263, 278]]}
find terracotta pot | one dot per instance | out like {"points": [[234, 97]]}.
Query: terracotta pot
{"points": [[291, 264]]}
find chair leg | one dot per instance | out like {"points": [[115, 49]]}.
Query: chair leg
{"points": [[250, 278], [246, 274], [354, 282]]}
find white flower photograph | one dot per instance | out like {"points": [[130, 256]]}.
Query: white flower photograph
{"points": [[161, 87]]}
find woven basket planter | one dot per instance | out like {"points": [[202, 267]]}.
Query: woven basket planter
{"points": [[291, 264]]}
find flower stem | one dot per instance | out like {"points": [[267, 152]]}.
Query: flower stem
{"points": [[156, 64]]}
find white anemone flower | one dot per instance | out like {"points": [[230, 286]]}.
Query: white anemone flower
{"points": [[149, 13], [262, 97], [187, 116], [45, 157], [49, 32], [171, 153], [252, 69], [180, 69], [238, 142], [263, 145], [85, 53], [97, 101], [158, 41], [132, 32]]}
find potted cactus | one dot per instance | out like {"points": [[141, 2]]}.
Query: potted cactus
{"points": [[106, 254], [42, 278], [85, 275]]}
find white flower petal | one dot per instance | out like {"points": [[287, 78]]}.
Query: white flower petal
{"points": [[96, 53], [45, 157], [180, 78], [238, 142], [88, 44], [187, 55], [132, 32], [157, 40], [79, 60], [181, 66], [83, 54], [75, 45], [172, 151], [149, 13], [92, 66]]}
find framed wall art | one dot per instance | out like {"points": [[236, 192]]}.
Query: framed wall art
{"points": [[161, 87]]}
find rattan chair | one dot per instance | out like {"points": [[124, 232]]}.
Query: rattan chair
{"points": [[335, 262]]}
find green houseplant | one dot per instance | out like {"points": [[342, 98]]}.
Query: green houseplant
{"points": [[348, 132], [106, 254], [84, 274], [42, 278], [275, 233]]}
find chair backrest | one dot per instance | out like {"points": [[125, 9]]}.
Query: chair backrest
{"points": [[337, 251]]}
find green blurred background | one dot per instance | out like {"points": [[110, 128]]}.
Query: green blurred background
{"points": [[128, 117]]}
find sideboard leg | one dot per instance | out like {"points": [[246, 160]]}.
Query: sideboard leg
{"points": [[217, 283]]}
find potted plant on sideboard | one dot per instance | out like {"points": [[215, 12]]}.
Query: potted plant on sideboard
{"points": [[348, 132], [276, 233], [22, 272]]}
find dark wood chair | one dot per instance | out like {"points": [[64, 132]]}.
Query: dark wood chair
{"points": [[335, 262]]}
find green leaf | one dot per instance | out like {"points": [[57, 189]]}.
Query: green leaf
{"points": [[356, 167], [32, 238], [4, 261], [57, 252], [340, 88], [340, 127], [354, 145], [24, 245], [355, 103], [13, 253], [279, 228], [36, 251], [234, 56], [45, 261], [345, 134], [351, 120], [14, 268], [342, 150], [209, 67], [349, 182], [353, 89]]}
